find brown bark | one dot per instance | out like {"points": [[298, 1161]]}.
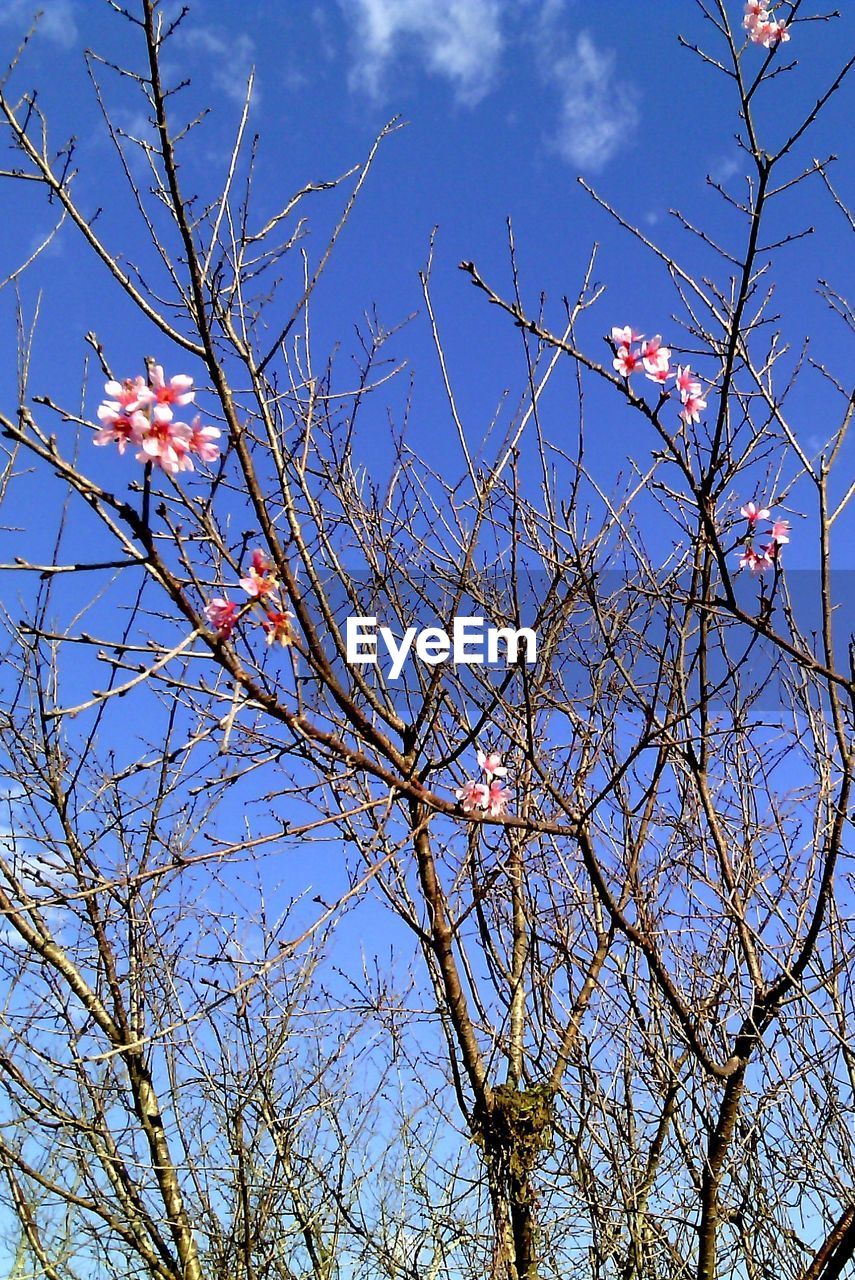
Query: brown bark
{"points": [[836, 1251], [711, 1178]]}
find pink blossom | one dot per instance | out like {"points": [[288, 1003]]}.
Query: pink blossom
{"points": [[129, 394], [202, 440], [119, 426], [166, 443], [626, 336], [176, 391], [779, 34], [753, 513], [654, 355], [693, 406], [141, 413], [491, 764], [497, 800], [222, 615], [762, 28], [278, 628], [691, 394], [261, 579], [627, 361], [755, 11], [661, 376], [473, 795], [780, 532], [756, 561], [770, 33], [686, 384]]}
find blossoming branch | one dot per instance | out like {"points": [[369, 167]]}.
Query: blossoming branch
{"points": [[260, 584], [655, 360], [490, 796], [142, 414], [762, 28], [758, 560]]}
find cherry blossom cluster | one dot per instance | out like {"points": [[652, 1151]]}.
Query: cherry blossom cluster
{"points": [[634, 354], [260, 584], [142, 414], [762, 28], [490, 796], [758, 559]]}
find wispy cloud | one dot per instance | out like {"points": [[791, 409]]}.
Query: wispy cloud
{"points": [[597, 110], [231, 58], [462, 42], [459, 40], [723, 168], [56, 23]]}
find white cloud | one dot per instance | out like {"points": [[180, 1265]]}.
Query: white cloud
{"points": [[231, 57], [458, 40], [724, 168], [56, 23], [597, 112]]}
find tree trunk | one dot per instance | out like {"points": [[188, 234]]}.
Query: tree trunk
{"points": [[515, 1133]]}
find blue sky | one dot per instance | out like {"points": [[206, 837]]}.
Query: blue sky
{"points": [[506, 102]]}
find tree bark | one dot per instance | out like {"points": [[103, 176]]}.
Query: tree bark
{"points": [[838, 1249]]}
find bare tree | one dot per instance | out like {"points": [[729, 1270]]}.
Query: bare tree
{"points": [[625, 1050]]}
